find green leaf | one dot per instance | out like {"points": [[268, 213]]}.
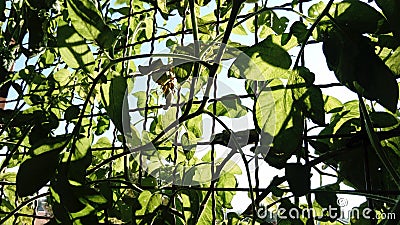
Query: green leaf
{"points": [[327, 198], [233, 218], [332, 104], [189, 144], [273, 107], [230, 107], [62, 76], [149, 202], [88, 22], [315, 105], [89, 195], [81, 147], [276, 116], [169, 118], [356, 66], [391, 10], [263, 61], [298, 177], [48, 145], [299, 30], [195, 126], [205, 217], [103, 124], [239, 30], [103, 142], [114, 100], [182, 70], [383, 119], [149, 181], [285, 40], [270, 19], [36, 172], [354, 15], [72, 112], [393, 62], [307, 95], [359, 16], [162, 5], [8, 176], [141, 101], [73, 49], [2, 10], [47, 58], [306, 75], [154, 202], [226, 180], [315, 10], [343, 118]]}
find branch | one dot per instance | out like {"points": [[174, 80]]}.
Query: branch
{"points": [[238, 147], [376, 145], [309, 32], [274, 183]]}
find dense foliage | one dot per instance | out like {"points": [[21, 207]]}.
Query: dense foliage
{"points": [[105, 125]]}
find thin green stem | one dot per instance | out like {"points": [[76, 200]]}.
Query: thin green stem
{"points": [[309, 32], [237, 147], [196, 66], [376, 145]]}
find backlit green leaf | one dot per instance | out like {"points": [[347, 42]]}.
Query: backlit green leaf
{"points": [[88, 22], [62, 76], [226, 180], [73, 49], [230, 107], [49, 144], [278, 117], [195, 126], [103, 123], [331, 104], [205, 217], [393, 62], [263, 61], [82, 146]]}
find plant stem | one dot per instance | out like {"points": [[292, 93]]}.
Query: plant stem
{"points": [[376, 145]]}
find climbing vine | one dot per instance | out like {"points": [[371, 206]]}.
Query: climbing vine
{"points": [[127, 112]]}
